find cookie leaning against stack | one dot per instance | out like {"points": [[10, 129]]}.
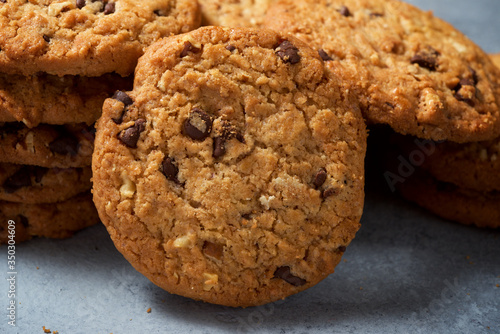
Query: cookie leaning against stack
{"points": [[233, 171], [59, 61]]}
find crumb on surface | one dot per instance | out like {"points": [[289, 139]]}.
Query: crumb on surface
{"points": [[149, 309]]}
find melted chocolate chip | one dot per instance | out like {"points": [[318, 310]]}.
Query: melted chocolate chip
{"points": [[319, 178], [466, 90], [169, 169], [80, 4], [219, 147], [230, 48], [213, 250], [126, 100], [130, 136], [66, 143], [288, 52], [46, 38], [20, 179], [188, 47], [109, 8], [329, 192], [198, 125], [324, 55], [426, 58], [24, 221], [285, 274], [344, 11]]}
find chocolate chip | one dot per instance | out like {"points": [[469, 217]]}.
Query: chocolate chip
{"points": [[169, 169], [66, 143], [329, 192], [213, 250], [24, 221], [3, 1], [230, 48], [319, 178], [344, 11], [126, 100], [284, 274], [324, 55], [122, 97], [219, 147], [130, 136], [288, 52], [109, 8], [466, 90], [198, 125], [20, 179], [342, 249], [426, 58], [188, 47], [80, 4], [46, 38]]}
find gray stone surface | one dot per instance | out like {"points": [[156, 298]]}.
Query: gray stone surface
{"points": [[406, 272]]}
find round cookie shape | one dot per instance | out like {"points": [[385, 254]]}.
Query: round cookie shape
{"points": [[50, 99], [90, 37], [233, 172], [62, 146], [53, 220], [227, 13], [34, 184], [411, 70]]}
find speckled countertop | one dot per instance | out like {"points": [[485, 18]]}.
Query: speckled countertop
{"points": [[406, 272]]}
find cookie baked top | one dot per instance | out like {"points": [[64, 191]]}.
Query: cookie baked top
{"points": [[412, 70], [87, 37], [233, 172], [228, 13]]}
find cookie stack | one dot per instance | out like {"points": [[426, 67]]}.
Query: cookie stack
{"points": [[58, 62], [424, 79]]}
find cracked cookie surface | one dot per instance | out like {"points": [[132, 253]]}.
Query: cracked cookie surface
{"points": [[91, 37], [233, 172], [411, 70]]}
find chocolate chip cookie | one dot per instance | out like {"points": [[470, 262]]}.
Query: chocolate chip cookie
{"points": [[233, 172], [62, 146], [411, 70], [86, 37], [52, 220], [230, 13], [50, 99], [34, 184]]}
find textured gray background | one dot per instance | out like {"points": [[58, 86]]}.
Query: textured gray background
{"points": [[406, 272]]}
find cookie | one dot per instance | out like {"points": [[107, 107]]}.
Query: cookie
{"points": [[50, 99], [448, 201], [496, 59], [233, 172], [230, 13], [62, 146], [86, 37], [410, 69], [34, 184], [52, 220]]}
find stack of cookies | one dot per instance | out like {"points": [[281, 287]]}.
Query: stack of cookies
{"points": [[59, 61]]}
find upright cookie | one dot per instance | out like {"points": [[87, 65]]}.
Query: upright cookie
{"points": [[233, 172], [34, 184], [411, 70], [50, 99], [230, 13], [62, 146], [86, 37], [53, 220]]}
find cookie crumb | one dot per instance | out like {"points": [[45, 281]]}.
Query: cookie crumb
{"points": [[46, 330], [498, 285], [37, 268], [149, 310]]}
